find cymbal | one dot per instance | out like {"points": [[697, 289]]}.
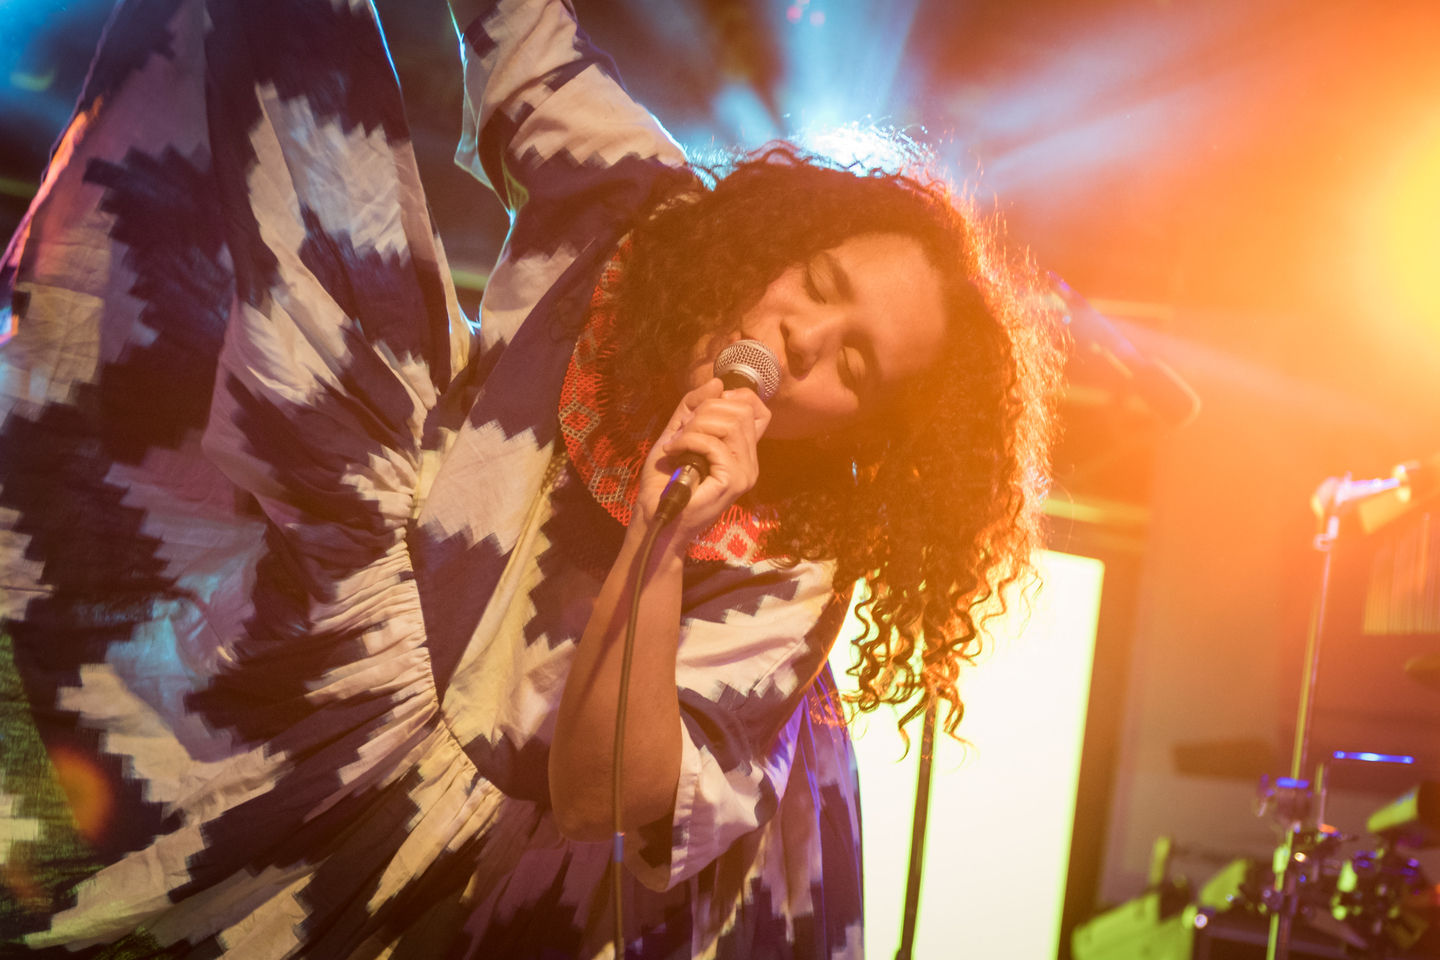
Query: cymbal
{"points": [[1425, 670]]}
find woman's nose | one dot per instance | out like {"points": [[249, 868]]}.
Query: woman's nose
{"points": [[805, 336]]}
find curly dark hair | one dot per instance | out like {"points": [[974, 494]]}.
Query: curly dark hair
{"points": [[939, 513]]}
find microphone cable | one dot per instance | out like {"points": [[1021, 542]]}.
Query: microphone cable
{"points": [[745, 363], [672, 502], [617, 856]]}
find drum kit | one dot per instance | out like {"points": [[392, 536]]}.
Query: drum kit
{"points": [[1324, 893]]}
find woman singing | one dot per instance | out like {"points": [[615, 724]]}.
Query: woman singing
{"points": [[315, 591]]}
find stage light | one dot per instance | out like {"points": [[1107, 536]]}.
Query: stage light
{"points": [[842, 63], [1406, 238], [864, 146], [1372, 757]]}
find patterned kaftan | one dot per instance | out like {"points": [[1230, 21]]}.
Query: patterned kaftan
{"points": [[295, 560]]}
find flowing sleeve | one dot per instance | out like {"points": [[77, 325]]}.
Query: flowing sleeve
{"points": [[549, 126], [752, 641], [230, 318], [539, 95]]}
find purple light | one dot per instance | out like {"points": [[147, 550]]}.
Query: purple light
{"points": [[1372, 757]]}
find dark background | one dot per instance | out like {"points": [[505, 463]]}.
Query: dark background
{"points": [[1250, 189]]}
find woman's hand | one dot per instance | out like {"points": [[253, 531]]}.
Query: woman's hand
{"points": [[720, 425]]}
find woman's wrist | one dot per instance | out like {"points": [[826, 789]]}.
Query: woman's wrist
{"points": [[671, 544]]}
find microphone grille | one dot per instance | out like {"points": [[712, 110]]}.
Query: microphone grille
{"points": [[755, 362]]}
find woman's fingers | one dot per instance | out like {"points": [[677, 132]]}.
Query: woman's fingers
{"points": [[760, 413], [723, 427], [724, 463], [717, 418], [711, 390], [736, 412], [690, 402]]}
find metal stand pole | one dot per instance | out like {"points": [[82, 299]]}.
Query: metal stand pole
{"points": [[1286, 881], [1304, 718], [917, 835]]}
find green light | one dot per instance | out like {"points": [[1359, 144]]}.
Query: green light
{"points": [[17, 188]]}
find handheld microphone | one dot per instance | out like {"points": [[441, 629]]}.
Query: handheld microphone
{"points": [[745, 363]]}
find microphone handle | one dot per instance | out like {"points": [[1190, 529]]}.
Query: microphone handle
{"points": [[689, 474]]}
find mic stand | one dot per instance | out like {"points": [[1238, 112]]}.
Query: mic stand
{"points": [[1334, 497], [917, 833], [1291, 854]]}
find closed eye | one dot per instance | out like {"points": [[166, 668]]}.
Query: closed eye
{"points": [[812, 290], [852, 374]]}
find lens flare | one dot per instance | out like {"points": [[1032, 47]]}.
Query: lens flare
{"points": [[92, 800]]}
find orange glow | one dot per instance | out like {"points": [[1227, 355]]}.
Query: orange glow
{"points": [[88, 790], [1407, 241]]}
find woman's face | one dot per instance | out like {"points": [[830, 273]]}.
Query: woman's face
{"points": [[849, 326]]}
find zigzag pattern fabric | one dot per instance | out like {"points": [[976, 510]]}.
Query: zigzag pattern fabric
{"points": [[293, 563]]}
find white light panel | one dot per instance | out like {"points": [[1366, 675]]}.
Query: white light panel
{"points": [[1001, 810]]}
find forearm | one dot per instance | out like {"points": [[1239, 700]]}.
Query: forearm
{"points": [[723, 429], [583, 745]]}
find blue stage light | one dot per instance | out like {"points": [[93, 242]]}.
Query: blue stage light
{"points": [[1372, 757]]}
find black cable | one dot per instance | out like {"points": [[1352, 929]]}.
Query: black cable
{"points": [[690, 473], [617, 856], [917, 834]]}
